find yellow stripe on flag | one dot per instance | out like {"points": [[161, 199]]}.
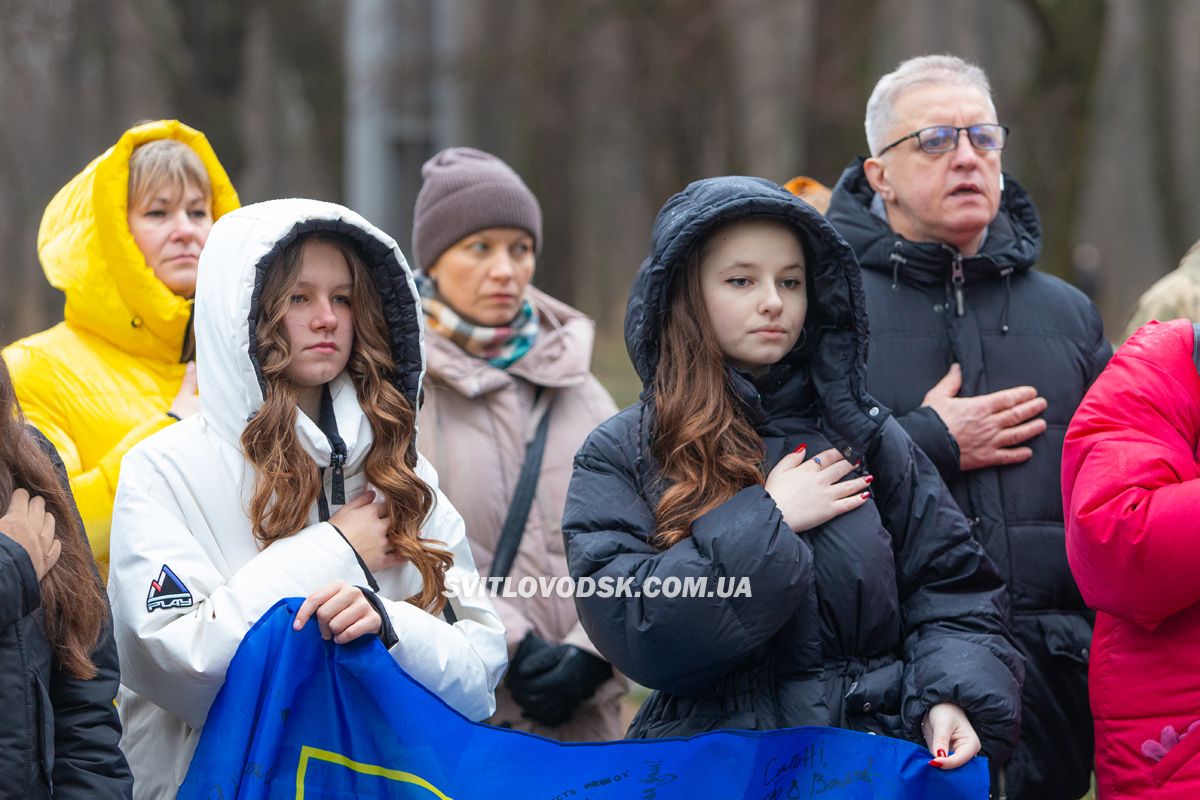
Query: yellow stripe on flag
{"points": [[314, 754]]}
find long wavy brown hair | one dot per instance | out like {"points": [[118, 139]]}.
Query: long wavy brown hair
{"points": [[707, 448], [288, 481], [72, 598]]}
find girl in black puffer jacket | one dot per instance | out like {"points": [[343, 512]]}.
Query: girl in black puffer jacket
{"points": [[755, 454], [58, 663]]}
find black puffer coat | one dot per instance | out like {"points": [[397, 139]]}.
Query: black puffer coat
{"points": [[59, 732], [863, 623], [1017, 326]]}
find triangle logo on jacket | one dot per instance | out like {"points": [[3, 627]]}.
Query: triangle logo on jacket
{"points": [[167, 592]]}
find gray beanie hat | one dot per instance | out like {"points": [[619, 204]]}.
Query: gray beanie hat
{"points": [[464, 191]]}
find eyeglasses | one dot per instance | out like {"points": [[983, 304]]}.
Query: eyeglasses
{"points": [[944, 138]]}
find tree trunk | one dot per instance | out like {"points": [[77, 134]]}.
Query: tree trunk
{"points": [[839, 86], [1161, 129], [1059, 99]]}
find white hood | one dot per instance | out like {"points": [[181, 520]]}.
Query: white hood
{"points": [[233, 265]]}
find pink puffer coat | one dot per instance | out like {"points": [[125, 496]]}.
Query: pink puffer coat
{"points": [[1131, 489]]}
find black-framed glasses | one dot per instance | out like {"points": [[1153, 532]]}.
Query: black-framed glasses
{"points": [[944, 138]]}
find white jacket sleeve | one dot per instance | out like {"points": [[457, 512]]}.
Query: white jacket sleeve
{"points": [[460, 663], [177, 657]]}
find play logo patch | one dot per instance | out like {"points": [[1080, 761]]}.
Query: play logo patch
{"points": [[167, 592]]}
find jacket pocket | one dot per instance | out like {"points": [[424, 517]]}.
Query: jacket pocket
{"points": [[876, 692], [43, 723], [1067, 636], [1175, 758]]}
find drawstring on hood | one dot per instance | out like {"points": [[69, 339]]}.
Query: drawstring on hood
{"points": [[897, 259], [1007, 273]]}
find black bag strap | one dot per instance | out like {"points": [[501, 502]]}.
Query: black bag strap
{"points": [[1196, 344], [522, 499]]}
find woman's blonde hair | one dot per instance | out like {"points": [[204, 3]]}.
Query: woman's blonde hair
{"points": [[288, 482], [165, 162]]}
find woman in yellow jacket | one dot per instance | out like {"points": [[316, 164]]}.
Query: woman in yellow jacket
{"points": [[122, 241]]}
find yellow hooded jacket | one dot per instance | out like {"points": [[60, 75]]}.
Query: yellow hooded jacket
{"points": [[101, 381]]}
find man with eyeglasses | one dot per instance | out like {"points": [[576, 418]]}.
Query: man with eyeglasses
{"points": [[983, 359]]}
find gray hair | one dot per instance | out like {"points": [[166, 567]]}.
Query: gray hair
{"points": [[914, 72]]}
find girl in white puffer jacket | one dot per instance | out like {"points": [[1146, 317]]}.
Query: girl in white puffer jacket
{"points": [[299, 477]]}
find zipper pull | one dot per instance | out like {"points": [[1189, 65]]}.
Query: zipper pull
{"points": [[322, 503], [958, 278], [339, 486]]}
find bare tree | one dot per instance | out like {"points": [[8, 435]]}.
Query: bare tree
{"points": [[1058, 101], [841, 82], [1163, 128]]}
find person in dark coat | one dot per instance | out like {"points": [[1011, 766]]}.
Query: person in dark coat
{"points": [[58, 663], [842, 588], [983, 359]]}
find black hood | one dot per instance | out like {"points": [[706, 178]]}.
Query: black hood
{"points": [[836, 326], [1014, 238]]}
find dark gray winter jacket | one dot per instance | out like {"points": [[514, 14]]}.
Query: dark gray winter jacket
{"points": [[59, 735], [862, 623]]}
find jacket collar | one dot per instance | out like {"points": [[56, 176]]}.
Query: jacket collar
{"points": [[1013, 242], [785, 389]]}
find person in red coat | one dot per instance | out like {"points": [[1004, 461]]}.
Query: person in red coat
{"points": [[1131, 488]]}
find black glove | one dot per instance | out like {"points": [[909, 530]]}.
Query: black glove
{"points": [[550, 681]]}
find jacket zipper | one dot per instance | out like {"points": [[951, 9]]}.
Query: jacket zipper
{"points": [[337, 461], [958, 279], [337, 494]]}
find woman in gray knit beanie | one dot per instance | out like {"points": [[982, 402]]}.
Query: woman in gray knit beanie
{"points": [[502, 357]]}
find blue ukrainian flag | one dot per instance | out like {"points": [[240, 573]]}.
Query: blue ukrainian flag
{"points": [[305, 719]]}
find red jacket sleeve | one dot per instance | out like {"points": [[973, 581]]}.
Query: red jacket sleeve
{"points": [[1131, 482]]}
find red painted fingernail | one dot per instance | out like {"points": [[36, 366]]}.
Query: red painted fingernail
{"points": [[941, 753], [867, 480], [865, 495], [858, 463], [935, 764], [801, 447]]}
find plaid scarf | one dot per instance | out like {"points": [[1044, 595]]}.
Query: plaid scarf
{"points": [[501, 346]]}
